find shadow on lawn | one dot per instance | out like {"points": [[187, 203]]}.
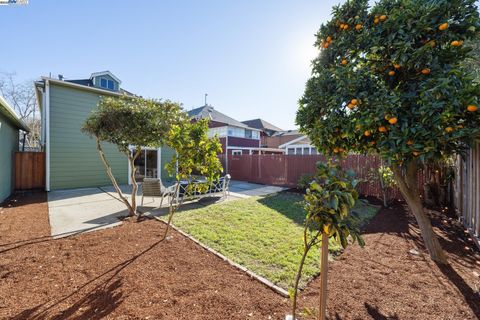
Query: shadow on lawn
{"points": [[287, 203], [96, 303]]}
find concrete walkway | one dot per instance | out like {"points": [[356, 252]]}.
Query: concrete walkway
{"points": [[83, 210]]}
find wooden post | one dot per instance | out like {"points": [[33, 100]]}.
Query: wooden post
{"points": [[323, 277]]}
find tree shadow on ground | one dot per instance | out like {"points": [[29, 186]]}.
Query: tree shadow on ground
{"points": [[286, 203], [471, 297], [96, 303], [377, 315]]}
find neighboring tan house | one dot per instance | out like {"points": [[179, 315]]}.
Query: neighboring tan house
{"points": [[10, 127], [72, 160], [236, 137], [300, 145]]}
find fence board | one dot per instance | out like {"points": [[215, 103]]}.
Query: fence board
{"points": [[29, 170], [286, 170]]}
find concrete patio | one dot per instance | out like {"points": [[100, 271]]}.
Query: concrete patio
{"points": [[83, 210]]}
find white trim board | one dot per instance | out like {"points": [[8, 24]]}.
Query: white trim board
{"points": [[292, 141]]}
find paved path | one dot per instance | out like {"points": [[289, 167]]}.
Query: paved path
{"points": [[82, 210]]}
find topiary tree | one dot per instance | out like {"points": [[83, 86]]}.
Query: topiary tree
{"points": [[195, 154], [132, 122], [390, 80], [328, 201]]}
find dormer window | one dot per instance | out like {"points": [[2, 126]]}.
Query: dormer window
{"points": [[107, 84]]}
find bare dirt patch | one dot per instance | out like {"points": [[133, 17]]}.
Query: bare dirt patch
{"points": [[127, 273]]}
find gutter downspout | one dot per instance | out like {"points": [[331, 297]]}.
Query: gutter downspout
{"points": [[47, 135]]}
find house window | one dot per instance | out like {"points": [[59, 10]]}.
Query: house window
{"points": [[248, 133], [291, 151], [236, 132], [298, 151], [313, 151], [237, 152], [107, 84], [306, 150]]}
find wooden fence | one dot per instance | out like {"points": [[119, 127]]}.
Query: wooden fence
{"points": [[285, 170], [467, 191], [29, 170]]}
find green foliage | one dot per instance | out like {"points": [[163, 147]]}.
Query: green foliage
{"points": [[329, 200], [134, 121], [408, 77], [304, 181], [196, 153]]}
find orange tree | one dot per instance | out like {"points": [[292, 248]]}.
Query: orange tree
{"points": [[391, 80]]}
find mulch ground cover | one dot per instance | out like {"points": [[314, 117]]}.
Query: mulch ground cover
{"points": [[128, 273]]}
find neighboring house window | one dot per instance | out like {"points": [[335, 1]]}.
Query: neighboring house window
{"points": [[107, 84], [236, 132], [298, 151], [313, 151], [220, 131], [250, 134], [291, 151], [237, 152], [306, 150]]}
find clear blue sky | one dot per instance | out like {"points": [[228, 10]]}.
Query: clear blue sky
{"points": [[251, 57]]}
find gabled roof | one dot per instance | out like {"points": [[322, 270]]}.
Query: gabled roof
{"points": [[8, 112], [261, 124], [106, 72], [208, 112]]}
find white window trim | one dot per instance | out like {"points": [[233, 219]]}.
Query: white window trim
{"points": [[237, 152]]}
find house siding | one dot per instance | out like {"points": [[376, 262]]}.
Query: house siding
{"points": [[243, 142], [165, 157], [8, 145], [74, 159]]}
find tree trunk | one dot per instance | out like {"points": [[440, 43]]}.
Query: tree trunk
{"points": [[408, 184], [323, 277], [108, 168], [131, 160]]}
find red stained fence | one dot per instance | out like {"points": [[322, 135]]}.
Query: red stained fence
{"points": [[286, 170]]}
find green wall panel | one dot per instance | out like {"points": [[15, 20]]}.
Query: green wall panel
{"points": [[74, 160], [8, 145]]}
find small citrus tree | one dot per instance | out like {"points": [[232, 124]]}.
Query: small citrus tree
{"points": [[328, 202], [132, 122], [391, 80], [195, 154]]}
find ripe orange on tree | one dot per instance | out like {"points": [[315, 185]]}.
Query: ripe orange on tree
{"points": [[392, 120], [358, 26], [354, 102], [376, 20], [344, 61], [382, 129], [456, 43], [472, 108], [426, 71], [329, 39], [383, 17], [350, 106], [391, 73], [448, 129], [443, 26], [367, 133], [397, 66]]}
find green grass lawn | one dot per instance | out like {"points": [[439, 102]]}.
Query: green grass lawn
{"points": [[263, 234]]}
